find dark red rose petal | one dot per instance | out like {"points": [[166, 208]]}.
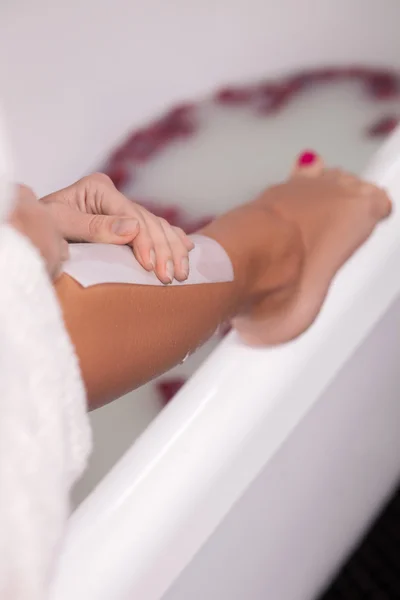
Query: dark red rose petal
{"points": [[120, 175], [302, 80], [167, 388], [178, 122], [382, 86], [383, 126], [329, 74], [355, 72], [142, 146], [234, 95]]}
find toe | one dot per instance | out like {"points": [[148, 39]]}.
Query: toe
{"points": [[308, 164]]}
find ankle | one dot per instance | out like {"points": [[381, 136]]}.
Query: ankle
{"points": [[278, 256], [266, 252]]}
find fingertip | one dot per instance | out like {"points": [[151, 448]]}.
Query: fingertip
{"points": [[169, 271], [182, 269], [144, 254], [163, 277], [184, 238]]}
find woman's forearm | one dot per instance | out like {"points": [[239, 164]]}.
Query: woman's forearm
{"points": [[125, 335]]}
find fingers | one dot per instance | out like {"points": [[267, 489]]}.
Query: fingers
{"points": [[158, 246], [308, 164], [112, 217], [30, 218], [167, 246], [164, 268], [77, 226], [179, 251], [93, 210], [187, 242], [143, 246]]}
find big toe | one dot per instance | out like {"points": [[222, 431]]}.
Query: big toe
{"points": [[308, 164]]}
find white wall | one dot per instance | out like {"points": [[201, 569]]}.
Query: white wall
{"points": [[77, 74]]}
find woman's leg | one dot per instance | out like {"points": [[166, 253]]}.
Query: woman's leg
{"points": [[285, 247], [127, 334]]}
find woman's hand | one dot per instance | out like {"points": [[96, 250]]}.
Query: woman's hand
{"points": [[93, 210], [31, 219]]}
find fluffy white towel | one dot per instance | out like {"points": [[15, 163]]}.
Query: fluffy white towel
{"points": [[44, 432]]}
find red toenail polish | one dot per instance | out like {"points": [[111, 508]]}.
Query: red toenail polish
{"points": [[307, 158]]}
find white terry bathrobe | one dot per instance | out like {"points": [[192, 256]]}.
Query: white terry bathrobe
{"points": [[44, 432]]}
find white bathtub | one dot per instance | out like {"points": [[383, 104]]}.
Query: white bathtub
{"points": [[262, 474]]}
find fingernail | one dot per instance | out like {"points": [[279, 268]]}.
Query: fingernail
{"points": [[185, 266], [125, 226], [152, 259], [307, 158], [169, 267]]}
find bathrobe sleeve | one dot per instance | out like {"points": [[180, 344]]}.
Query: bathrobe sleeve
{"points": [[44, 432]]}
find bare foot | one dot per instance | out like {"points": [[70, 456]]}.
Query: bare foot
{"points": [[336, 212]]}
